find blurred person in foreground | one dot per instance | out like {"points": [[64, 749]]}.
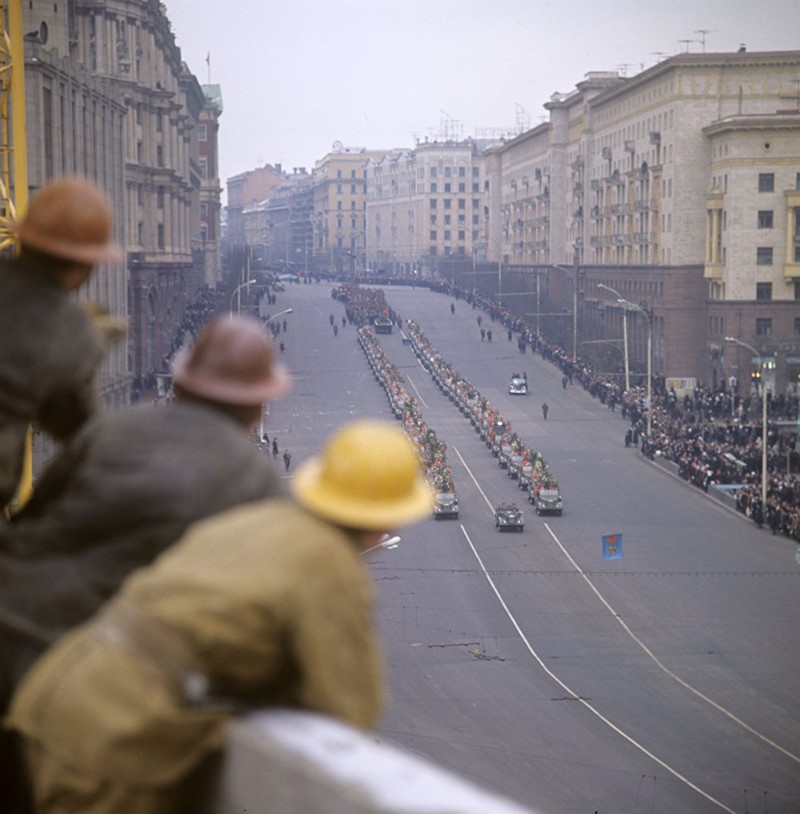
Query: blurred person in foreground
{"points": [[268, 604], [130, 483], [49, 348]]}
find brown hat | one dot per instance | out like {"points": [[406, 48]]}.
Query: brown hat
{"points": [[232, 362], [70, 218]]}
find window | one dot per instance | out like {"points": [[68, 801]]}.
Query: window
{"points": [[462, 204], [476, 187], [763, 326], [338, 173], [448, 172], [433, 203], [339, 189], [461, 235], [160, 197], [161, 236], [764, 256], [763, 291], [433, 234], [462, 187], [447, 203], [433, 220], [352, 173], [447, 234], [797, 326], [352, 189], [433, 187], [202, 132], [448, 187], [765, 219], [160, 125], [766, 182], [433, 172], [159, 156], [447, 220]]}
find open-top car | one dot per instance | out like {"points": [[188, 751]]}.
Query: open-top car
{"points": [[445, 506], [547, 501], [518, 385], [509, 517]]}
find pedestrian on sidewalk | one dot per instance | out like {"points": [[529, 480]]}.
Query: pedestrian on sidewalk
{"points": [[287, 459]]}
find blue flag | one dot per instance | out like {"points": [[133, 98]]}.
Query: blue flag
{"points": [[612, 546]]}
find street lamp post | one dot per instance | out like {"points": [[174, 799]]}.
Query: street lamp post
{"points": [[763, 417], [574, 272], [628, 304], [624, 334], [239, 300]]}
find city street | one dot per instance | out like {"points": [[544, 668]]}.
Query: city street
{"points": [[666, 681]]}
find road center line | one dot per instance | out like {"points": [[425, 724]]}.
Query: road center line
{"points": [[674, 772], [411, 382]]}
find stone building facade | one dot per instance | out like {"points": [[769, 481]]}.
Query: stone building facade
{"points": [[339, 212], [425, 208], [109, 97], [685, 174]]}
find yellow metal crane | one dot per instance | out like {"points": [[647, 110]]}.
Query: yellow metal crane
{"points": [[13, 153]]}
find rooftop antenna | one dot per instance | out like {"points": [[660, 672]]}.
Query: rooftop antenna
{"points": [[703, 32], [660, 55], [523, 122], [623, 68], [686, 50]]}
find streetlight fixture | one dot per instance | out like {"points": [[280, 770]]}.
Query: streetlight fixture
{"points": [[628, 304], [279, 314], [239, 301], [763, 417], [624, 333]]}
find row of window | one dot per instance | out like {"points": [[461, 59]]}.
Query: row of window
{"points": [[763, 326]]}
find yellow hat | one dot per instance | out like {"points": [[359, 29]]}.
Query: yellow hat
{"points": [[368, 476]]}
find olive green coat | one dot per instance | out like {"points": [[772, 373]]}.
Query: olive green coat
{"points": [[273, 606]]}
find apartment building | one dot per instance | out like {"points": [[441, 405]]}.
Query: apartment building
{"points": [[277, 230], [108, 96], [75, 121], [425, 206], [680, 179], [209, 239], [339, 211]]}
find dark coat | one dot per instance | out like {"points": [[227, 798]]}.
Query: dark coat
{"points": [[124, 489], [49, 354]]}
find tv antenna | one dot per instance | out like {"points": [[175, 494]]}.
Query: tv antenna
{"points": [[703, 32]]}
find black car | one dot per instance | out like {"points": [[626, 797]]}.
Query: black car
{"points": [[509, 517]]}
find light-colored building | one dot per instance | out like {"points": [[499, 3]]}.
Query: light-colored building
{"points": [[425, 207], [245, 191], [109, 97], [339, 213], [684, 173], [76, 123], [210, 239]]}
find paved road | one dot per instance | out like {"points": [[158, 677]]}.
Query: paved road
{"points": [[663, 682]]}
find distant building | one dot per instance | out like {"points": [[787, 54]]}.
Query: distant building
{"points": [[210, 190], [339, 214], [425, 207], [678, 188]]}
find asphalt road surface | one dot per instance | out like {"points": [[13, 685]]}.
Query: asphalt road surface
{"points": [[667, 681]]}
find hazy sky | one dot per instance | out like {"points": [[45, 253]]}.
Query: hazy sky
{"points": [[297, 75]]}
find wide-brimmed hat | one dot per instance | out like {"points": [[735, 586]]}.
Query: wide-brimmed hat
{"points": [[232, 362], [368, 476], [70, 219]]}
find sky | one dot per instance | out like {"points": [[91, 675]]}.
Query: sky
{"points": [[298, 75]]}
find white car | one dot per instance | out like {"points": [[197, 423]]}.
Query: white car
{"points": [[518, 386]]}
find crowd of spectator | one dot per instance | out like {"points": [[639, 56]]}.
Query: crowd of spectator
{"points": [[712, 435]]}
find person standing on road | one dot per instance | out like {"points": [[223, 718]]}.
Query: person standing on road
{"points": [[268, 604], [275, 448], [287, 459], [545, 410], [49, 349]]}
